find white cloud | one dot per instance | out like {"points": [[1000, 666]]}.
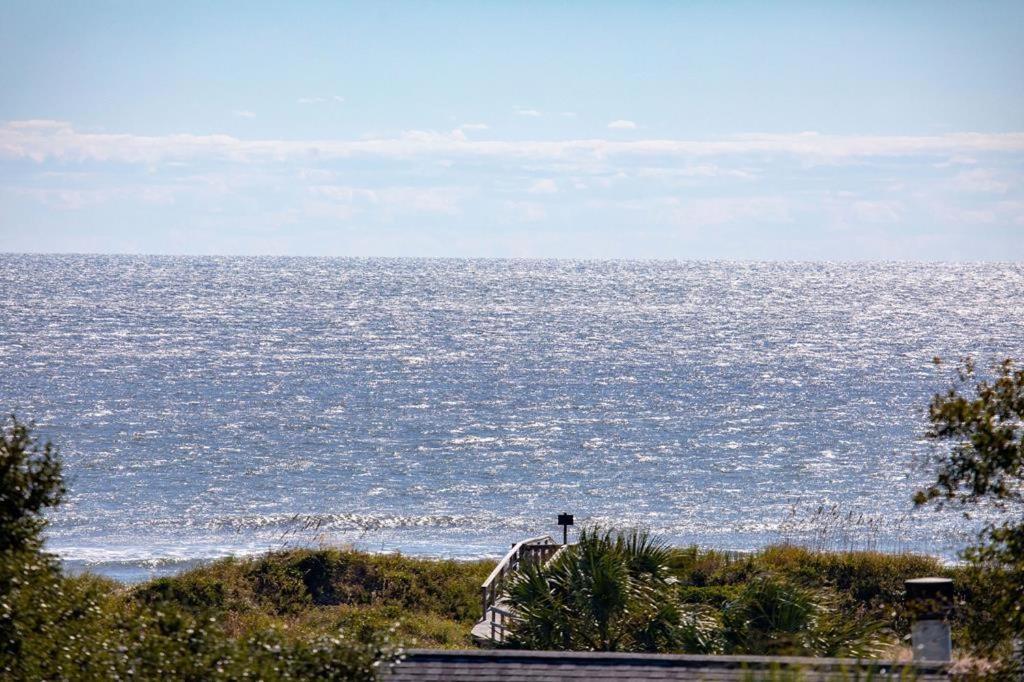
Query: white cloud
{"points": [[622, 124], [320, 100], [526, 211], [344, 193], [73, 199], [244, 113], [423, 199], [443, 182], [717, 211], [956, 161], [675, 173], [38, 124], [444, 200], [58, 141], [545, 186], [980, 180], [532, 113]]}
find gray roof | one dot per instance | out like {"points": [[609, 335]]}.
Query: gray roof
{"points": [[421, 665]]}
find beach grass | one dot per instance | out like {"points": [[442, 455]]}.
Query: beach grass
{"points": [[430, 602], [287, 613], [433, 603]]}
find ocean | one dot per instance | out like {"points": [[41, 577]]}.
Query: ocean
{"points": [[210, 406]]}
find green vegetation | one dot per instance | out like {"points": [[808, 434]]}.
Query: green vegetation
{"points": [[30, 482], [984, 463], [430, 603], [321, 613], [780, 600], [855, 586]]}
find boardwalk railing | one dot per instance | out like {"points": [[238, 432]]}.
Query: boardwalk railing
{"points": [[538, 550], [498, 617]]}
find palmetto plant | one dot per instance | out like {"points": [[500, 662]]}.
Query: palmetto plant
{"points": [[609, 592]]}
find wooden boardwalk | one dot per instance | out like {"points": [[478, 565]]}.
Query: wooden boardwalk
{"points": [[495, 613]]}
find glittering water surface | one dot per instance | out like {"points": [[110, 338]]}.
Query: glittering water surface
{"points": [[208, 406]]}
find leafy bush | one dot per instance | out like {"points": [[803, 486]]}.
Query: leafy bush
{"points": [[30, 482], [82, 633], [981, 425], [197, 593]]}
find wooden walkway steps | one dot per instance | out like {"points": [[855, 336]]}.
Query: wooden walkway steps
{"points": [[495, 613], [420, 665]]}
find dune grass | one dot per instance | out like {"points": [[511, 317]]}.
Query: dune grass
{"points": [[430, 603], [433, 603], [291, 612]]}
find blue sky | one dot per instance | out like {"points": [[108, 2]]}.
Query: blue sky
{"points": [[817, 130]]}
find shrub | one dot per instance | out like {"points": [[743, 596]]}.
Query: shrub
{"points": [[83, 629], [30, 482], [980, 424]]}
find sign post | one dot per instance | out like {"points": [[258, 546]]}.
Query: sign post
{"points": [[565, 520]]}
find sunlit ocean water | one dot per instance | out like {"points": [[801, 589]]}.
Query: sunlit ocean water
{"points": [[214, 406]]}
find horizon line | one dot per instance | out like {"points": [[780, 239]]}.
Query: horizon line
{"points": [[257, 256]]}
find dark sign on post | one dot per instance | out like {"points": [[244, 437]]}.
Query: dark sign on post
{"points": [[565, 520]]}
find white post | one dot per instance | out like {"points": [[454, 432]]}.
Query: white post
{"points": [[931, 601]]}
